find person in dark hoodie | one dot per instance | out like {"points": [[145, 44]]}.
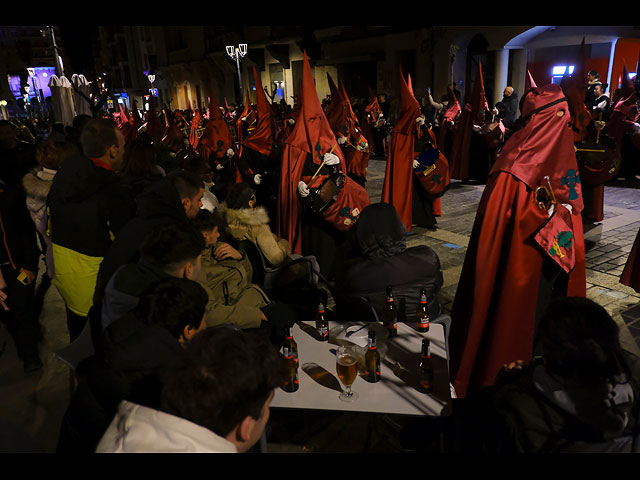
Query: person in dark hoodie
{"points": [[173, 199], [581, 395], [170, 251], [384, 260], [134, 353], [87, 209]]}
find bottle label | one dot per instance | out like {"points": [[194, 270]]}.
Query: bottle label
{"points": [[323, 331]]}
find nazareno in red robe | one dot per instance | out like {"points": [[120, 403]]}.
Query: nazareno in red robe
{"points": [[312, 137], [518, 255], [397, 188]]}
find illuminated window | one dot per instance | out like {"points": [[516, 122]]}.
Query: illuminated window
{"points": [[559, 71]]}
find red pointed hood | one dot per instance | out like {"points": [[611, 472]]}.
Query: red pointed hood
{"points": [[216, 138], [155, 129], [409, 108], [627, 97], [334, 110], [544, 146], [478, 104], [261, 137]]}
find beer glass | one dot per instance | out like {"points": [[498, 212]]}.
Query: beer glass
{"points": [[347, 368]]}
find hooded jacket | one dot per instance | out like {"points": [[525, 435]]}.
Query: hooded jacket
{"points": [[385, 260], [87, 209], [37, 184], [159, 205], [232, 296], [538, 412], [134, 355], [253, 224], [138, 429]]}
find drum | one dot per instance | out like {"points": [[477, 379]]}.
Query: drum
{"points": [[598, 160], [432, 172], [324, 196]]}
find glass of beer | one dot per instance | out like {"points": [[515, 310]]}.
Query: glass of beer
{"points": [[347, 368]]}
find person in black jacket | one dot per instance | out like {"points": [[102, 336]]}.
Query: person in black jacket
{"points": [[19, 255], [174, 199], [135, 351], [87, 208], [383, 260]]}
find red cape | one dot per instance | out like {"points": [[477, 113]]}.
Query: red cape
{"points": [[263, 134], [494, 310], [398, 180], [472, 113]]}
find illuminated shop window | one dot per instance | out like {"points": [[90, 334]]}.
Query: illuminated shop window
{"points": [[559, 71]]}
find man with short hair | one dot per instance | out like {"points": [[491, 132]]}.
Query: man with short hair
{"points": [[601, 102], [171, 251], [87, 208], [510, 101], [216, 400], [173, 200]]}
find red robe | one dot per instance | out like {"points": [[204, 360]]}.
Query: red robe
{"points": [[497, 298]]}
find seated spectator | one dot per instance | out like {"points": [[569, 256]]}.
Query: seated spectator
{"points": [[201, 168], [384, 259], [215, 401], [174, 199], [135, 351], [580, 396], [171, 251], [250, 222], [226, 275]]}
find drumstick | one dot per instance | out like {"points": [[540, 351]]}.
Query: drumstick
{"points": [[321, 165]]}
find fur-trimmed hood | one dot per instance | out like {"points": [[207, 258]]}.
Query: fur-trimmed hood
{"points": [[38, 183], [246, 216]]}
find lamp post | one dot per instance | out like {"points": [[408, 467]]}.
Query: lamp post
{"points": [[236, 53], [3, 110]]}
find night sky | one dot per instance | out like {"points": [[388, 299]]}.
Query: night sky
{"points": [[76, 40]]}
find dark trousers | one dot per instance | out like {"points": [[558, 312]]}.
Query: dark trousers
{"points": [[75, 324], [21, 319]]}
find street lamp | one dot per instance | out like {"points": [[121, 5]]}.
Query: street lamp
{"points": [[236, 53], [3, 110]]}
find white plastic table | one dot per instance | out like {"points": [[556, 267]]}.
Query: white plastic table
{"points": [[395, 393]]}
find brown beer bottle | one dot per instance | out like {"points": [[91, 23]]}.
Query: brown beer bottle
{"points": [[390, 314], [290, 354], [322, 324], [372, 360], [425, 369], [422, 313]]}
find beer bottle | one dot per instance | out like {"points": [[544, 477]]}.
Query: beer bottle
{"points": [[425, 369], [322, 324], [372, 360], [390, 314], [422, 313], [291, 344], [290, 354]]}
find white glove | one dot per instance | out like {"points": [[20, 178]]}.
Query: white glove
{"points": [[341, 140], [292, 121], [331, 159], [477, 128], [303, 189], [416, 163], [230, 152], [257, 178], [244, 119], [420, 120], [219, 166]]}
